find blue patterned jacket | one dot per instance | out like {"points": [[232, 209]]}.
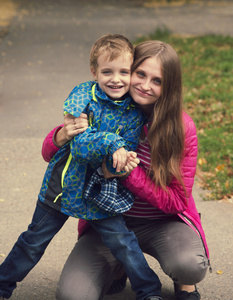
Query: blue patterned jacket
{"points": [[113, 124]]}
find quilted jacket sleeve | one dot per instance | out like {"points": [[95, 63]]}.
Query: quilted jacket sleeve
{"points": [[48, 146], [175, 199], [93, 145]]}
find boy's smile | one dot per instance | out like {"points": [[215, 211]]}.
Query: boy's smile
{"points": [[114, 76]]}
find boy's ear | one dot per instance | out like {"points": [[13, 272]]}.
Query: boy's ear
{"points": [[93, 72]]}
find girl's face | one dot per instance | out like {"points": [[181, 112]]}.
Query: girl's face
{"points": [[145, 86]]}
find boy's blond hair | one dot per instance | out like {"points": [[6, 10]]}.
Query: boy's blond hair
{"points": [[113, 45]]}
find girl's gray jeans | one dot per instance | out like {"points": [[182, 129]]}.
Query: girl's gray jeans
{"points": [[91, 268]]}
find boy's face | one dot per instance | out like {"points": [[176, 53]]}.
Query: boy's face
{"points": [[114, 76]]}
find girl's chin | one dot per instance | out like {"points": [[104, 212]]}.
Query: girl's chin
{"points": [[140, 100]]}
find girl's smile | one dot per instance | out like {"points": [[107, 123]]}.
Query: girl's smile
{"points": [[145, 87]]}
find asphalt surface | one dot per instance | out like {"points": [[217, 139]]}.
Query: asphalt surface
{"points": [[43, 56]]}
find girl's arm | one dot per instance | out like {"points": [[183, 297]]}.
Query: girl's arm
{"points": [[49, 148], [175, 199], [62, 134]]}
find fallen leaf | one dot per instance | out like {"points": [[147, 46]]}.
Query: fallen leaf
{"points": [[219, 272], [202, 161], [220, 168]]}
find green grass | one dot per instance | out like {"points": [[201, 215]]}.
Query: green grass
{"points": [[207, 64]]}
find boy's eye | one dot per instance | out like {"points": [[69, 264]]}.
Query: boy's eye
{"points": [[125, 72], [106, 72]]}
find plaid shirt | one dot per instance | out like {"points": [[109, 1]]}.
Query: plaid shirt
{"points": [[108, 194]]}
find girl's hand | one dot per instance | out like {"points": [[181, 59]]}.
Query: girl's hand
{"points": [[74, 126], [132, 161]]}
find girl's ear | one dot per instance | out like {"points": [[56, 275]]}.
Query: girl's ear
{"points": [[93, 72]]}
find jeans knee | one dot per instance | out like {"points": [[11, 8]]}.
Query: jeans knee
{"points": [[62, 295], [65, 293], [75, 289], [189, 269]]}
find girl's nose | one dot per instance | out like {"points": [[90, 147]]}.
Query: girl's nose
{"points": [[146, 85]]}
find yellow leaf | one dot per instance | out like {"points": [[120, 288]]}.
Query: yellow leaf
{"points": [[202, 161], [219, 272], [2, 255]]}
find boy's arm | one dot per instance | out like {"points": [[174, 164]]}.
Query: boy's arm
{"points": [[131, 133], [93, 146]]}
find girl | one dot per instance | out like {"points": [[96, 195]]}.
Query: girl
{"points": [[164, 216]]}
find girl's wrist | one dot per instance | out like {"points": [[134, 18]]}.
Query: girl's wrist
{"points": [[59, 137]]}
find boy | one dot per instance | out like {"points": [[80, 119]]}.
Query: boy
{"points": [[115, 124]]}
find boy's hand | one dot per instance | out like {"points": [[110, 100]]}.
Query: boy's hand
{"points": [[132, 161], [119, 159], [108, 174]]}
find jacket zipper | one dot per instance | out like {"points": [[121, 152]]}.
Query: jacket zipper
{"points": [[195, 227], [90, 119], [119, 129], [63, 175]]}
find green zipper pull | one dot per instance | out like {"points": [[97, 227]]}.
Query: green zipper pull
{"points": [[119, 129], [55, 200], [90, 119]]}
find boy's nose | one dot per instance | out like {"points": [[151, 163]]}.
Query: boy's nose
{"points": [[115, 78]]}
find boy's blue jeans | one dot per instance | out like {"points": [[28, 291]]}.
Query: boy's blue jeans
{"points": [[30, 247], [46, 222], [124, 246]]}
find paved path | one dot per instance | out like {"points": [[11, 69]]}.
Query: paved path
{"points": [[42, 58]]}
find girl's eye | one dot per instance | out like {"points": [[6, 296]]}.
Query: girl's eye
{"points": [[140, 74], [157, 81]]}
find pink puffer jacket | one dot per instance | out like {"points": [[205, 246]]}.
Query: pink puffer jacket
{"points": [[175, 200]]}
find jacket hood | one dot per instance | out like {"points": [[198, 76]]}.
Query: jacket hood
{"points": [[82, 94]]}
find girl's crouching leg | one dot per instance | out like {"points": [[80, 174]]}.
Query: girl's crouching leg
{"points": [[189, 268], [89, 270]]}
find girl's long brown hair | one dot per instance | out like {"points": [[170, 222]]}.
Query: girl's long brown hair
{"points": [[166, 133]]}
